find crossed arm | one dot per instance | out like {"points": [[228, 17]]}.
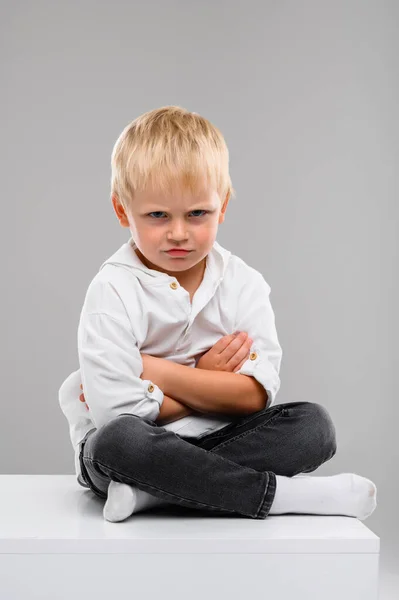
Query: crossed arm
{"points": [[187, 390]]}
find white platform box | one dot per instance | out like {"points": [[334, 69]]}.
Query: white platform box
{"points": [[56, 545]]}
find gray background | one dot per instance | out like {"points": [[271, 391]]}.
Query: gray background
{"points": [[307, 96]]}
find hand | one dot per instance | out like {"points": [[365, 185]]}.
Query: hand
{"points": [[82, 398], [228, 354]]}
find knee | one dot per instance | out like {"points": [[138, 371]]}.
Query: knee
{"points": [[323, 428], [111, 439]]}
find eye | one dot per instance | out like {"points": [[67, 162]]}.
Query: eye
{"points": [[160, 212], [200, 210], [155, 213]]}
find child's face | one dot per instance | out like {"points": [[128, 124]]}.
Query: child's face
{"points": [[159, 223]]}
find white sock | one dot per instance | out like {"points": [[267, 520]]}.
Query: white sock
{"points": [[123, 500], [345, 494]]}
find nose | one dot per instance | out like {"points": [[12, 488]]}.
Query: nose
{"points": [[178, 232]]}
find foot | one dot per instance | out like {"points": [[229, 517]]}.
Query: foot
{"points": [[344, 494], [123, 500]]}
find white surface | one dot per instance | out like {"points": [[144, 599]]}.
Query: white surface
{"points": [[52, 513], [47, 521]]}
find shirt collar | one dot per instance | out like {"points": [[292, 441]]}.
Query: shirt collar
{"points": [[216, 264]]}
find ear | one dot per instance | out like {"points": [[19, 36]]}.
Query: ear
{"points": [[223, 209], [120, 212]]}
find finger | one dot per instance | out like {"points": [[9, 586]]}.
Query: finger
{"points": [[242, 354], [234, 346], [240, 365], [81, 386], [82, 398], [223, 343]]}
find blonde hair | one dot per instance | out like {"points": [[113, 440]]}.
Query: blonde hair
{"points": [[166, 148]]}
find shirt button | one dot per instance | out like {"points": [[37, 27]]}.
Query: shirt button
{"points": [[253, 355], [174, 285], [151, 388]]}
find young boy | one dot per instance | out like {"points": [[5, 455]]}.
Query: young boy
{"points": [[179, 409]]}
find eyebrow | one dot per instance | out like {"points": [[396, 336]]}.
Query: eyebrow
{"points": [[155, 207]]}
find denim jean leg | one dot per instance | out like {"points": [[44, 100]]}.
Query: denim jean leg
{"points": [[284, 439], [137, 451], [92, 477], [288, 439]]}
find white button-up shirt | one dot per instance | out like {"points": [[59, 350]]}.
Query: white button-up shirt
{"points": [[130, 309]]}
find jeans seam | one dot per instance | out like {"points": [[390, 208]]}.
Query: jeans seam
{"points": [[271, 487], [240, 435], [264, 495], [87, 479], [221, 432]]}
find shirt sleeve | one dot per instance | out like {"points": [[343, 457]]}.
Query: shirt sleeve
{"points": [[256, 317], [110, 367]]}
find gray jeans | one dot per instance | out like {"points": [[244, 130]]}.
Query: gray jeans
{"points": [[229, 471]]}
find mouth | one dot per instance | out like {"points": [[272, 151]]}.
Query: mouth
{"points": [[178, 252]]}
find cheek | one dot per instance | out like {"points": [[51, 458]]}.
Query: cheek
{"points": [[152, 237], [205, 236], [207, 232]]}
